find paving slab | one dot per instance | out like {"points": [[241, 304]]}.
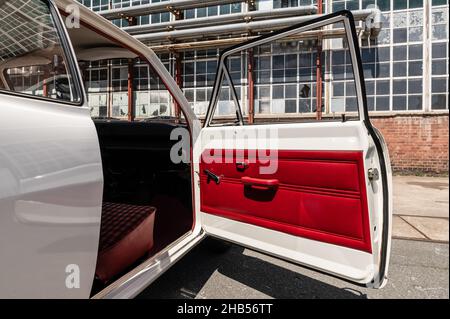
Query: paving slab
{"points": [[401, 229], [421, 196], [432, 228]]}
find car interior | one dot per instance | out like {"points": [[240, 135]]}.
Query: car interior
{"points": [[147, 199]]}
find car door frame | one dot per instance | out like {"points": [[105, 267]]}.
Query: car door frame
{"points": [[347, 18]]}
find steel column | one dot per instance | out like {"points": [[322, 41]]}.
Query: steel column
{"points": [[130, 91], [179, 15], [319, 69], [250, 87], [179, 81]]}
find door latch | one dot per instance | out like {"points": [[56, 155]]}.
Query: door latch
{"points": [[242, 165], [373, 174]]}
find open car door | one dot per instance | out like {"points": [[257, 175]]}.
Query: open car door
{"points": [[315, 193], [51, 179]]}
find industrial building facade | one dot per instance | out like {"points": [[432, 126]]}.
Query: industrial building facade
{"points": [[405, 61]]}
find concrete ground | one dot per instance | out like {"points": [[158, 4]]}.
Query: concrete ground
{"points": [[421, 208], [419, 265]]}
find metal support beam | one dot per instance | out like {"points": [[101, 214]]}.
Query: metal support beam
{"points": [[46, 75], [130, 90], [179, 81], [109, 91], [250, 87], [179, 16], [319, 70], [44, 88], [164, 6]]}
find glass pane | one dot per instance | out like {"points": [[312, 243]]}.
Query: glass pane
{"points": [[382, 103], [415, 52], [384, 5], [415, 86], [439, 32], [438, 102], [400, 35], [31, 48], [399, 103], [400, 4], [439, 50], [399, 87], [439, 2], [414, 102], [415, 3], [439, 85]]}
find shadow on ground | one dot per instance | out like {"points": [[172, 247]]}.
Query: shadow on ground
{"points": [[186, 278]]}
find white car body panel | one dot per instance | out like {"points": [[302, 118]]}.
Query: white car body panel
{"points": [[50, 197]]}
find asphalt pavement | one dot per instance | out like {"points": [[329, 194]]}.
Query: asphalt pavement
{"points": [[418, 269], [418, 266]]}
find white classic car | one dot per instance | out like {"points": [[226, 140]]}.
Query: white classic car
{"points": [[100, 207]]}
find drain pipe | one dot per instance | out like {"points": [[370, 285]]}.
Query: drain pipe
{"points": [[373, 22]]}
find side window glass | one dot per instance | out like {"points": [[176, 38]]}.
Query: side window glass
{"points": [[119, 84], [301, 76], [230, 104], [32, 59], [109, 83]]}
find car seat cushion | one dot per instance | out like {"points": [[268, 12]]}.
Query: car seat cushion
{"points": [[126, 234]]}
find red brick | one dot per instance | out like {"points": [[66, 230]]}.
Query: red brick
{"points": [[417, 143]]}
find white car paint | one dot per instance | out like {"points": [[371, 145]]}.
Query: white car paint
{"points": [[50, 202]]}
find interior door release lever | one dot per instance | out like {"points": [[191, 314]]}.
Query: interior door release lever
{"points": [[212, 176]]}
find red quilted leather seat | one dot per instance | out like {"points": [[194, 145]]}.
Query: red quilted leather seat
{"points": [[126, 234]]}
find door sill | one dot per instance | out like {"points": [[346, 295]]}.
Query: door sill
{"points": [[123, 287]]}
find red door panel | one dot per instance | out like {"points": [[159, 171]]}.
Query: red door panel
{"points": [[320, 195]]}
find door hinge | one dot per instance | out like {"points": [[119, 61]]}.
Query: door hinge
{"points": [[373, 174]]}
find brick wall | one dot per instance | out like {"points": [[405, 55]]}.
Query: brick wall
{"points": [[417, 143]]}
